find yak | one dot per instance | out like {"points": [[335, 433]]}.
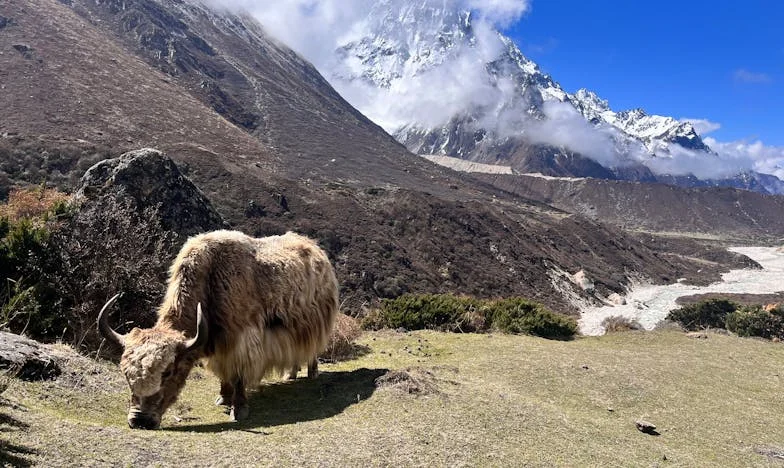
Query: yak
{"points": [[247, 307]]}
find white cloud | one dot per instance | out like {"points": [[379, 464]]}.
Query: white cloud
{"points": [[316, 28], [500, 12], [702, 126], [742, 75], [565, 127], [751, 155]]}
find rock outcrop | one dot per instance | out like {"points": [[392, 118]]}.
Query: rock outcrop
{"points": [[133, 213], [25, 358]]}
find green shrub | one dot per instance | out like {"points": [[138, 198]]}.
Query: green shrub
{"points": [[756, 321], [446, 312], [442, 312], [26, 300], [705, 314], [518, 315]]}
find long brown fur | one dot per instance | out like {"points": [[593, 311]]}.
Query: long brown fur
{"points": [[270, 304]]}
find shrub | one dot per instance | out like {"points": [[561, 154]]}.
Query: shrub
{"points": [[756, 321], [442, 312], [27, 221], [518, 315], [617, 323], [34, 203], [705, 314], [446, 312]]}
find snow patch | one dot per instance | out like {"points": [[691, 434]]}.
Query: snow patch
{"points": [[467, 166]]}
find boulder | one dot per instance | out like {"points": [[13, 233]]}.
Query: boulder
{"points": [[582, 280], [132, 215], [26, 359], [145, 179]]}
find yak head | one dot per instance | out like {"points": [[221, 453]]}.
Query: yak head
{"points": [[155, 361]]}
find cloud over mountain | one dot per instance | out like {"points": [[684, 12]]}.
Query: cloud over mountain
{"points": [[423, 66]]}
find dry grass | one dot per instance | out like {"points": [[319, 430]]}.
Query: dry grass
{"points": [[31, 202], [501, 400], [342, 344], [617, 323]]}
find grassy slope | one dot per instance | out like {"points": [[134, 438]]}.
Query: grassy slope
{"points": [[501, 400]]}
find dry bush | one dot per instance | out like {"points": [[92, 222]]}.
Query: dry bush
{"points": [[342, 344], [32, 202], [616, 323]]}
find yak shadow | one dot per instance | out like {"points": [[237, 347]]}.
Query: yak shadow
{"points": [[15, 455], [300, 400], [11, 454]]}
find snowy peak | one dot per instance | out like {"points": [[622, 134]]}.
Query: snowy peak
{"points": [[403, 39], [443, 80], [655, 131]]}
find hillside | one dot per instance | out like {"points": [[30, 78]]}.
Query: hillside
{"points": [[718, 213], [275, 149], [476, 400]]}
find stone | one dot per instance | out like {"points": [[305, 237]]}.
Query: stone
{"points": [[581, 279], [146, 178], [616, 299], [26, 359], [645, 427], [697, 335]]}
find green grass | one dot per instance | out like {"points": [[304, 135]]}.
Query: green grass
{"points": [[500, 400]]}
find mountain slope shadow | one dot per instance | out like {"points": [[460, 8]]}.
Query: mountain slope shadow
{"points": [[301, 400]]}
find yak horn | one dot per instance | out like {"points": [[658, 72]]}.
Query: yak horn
{"points": [[103, 326], [201, 331]]}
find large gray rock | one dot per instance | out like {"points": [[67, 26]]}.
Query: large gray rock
{"points": [[26, 359], [145, 179], [133, 214]]}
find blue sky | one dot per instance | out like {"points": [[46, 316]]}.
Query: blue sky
{"points": [[720, 61]]}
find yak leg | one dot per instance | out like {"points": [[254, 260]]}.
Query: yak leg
{"points": [[239, 407], [226, 394], [313, 368], [293, 372]]}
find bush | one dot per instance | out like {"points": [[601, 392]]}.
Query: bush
{"points": [[756, 321], [442, 312], [705, 314], [518, 315], [446, 312], [27, 221], [617, 323]]}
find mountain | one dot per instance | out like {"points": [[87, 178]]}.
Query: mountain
{"points": [[276, 148], [509, 111]]}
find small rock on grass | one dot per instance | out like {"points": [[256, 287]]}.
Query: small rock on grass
{"points": [[646, 427], [697, 335]]}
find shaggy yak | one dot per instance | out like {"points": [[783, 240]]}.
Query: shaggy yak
{"points": [[256, 306]]}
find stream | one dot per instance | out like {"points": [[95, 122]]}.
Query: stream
{"points": [[650, 304]]}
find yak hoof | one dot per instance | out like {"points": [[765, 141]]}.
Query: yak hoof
{"points": [[238, 413], [222, 401]]}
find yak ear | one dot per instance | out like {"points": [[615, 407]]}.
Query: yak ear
{"points": [[201, 331], [105, 329]]}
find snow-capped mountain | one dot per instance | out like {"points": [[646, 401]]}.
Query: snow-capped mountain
{"points": [[445, 81], [652, 130]]}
